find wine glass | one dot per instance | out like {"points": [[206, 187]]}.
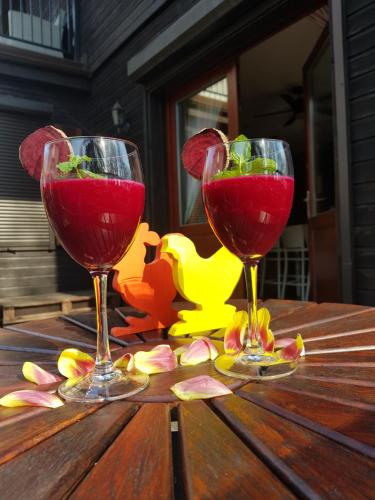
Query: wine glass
{"points": [[247, 191], [93, 193]]}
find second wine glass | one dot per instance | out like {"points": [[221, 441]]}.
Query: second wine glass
{"points": [[248, 193], [93, 193]]}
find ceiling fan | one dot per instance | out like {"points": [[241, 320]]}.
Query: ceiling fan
{"points": [[294, 98]]}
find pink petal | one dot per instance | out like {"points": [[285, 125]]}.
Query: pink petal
{"points": [[279, 343], [198, 351], [126, 362], [30, 398], [202, 387], [36, 374], [265, 334], [293, 350], [74, 363], [235, 333], [160, 359]]}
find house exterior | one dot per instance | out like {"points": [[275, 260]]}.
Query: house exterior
{"points": [[152, 56]]}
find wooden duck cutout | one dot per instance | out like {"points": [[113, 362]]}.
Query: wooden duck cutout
{"points": [[147, 287], [208, 283]]}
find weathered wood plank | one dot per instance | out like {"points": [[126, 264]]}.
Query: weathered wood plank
{"points": [[357, 375], [217, 464], [22, 342], [337, 327], [319, 315], [282, 445], [87, 321], [350, 425], [59, 328], [21, 436], [282, 308], [139, 461], [53, 468]]}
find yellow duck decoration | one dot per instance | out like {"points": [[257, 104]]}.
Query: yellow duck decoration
{"points": [[208, 283]]}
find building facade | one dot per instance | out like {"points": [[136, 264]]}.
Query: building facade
{"points": [[279, 68]]}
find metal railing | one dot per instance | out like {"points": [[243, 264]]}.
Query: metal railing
{"points": [[50, 24]]}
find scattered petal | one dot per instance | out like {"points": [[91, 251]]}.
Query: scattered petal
{"points": [[126, 362], [37, 375], [266, 337], [160, 359], [202, 387], [180, 350], [198, 351], [30, 398], [292, 351], [74, 363], [235, 332]]}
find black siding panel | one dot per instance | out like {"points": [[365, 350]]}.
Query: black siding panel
{"points": [[360, 22]]}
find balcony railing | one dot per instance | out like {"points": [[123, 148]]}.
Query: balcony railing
{"points": [[49, 25]]}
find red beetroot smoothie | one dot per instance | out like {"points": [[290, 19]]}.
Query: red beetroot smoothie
{"points": [[249, 213], [95, 219]]}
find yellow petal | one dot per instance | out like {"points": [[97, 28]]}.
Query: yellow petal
{"points": [[30, 398], [266, 337], [235, 333], [36, 374], [160, 359], [202, 387], [126, 362], [74, 363]]}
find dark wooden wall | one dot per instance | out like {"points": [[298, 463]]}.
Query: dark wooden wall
{"points": [[360, 34], [27, 271], [110, 83]]}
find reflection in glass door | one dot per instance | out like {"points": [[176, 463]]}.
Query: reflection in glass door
{"points": [[204, 109]]}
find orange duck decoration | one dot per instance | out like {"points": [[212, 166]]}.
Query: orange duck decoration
{"points": [[146, 287]]}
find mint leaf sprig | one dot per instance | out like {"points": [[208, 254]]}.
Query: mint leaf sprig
{"points": [[73, 165], [240, 155]]}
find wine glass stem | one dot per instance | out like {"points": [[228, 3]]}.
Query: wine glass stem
{"points": [[251, 273], [103, 362]]}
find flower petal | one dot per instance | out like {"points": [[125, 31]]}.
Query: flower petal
{"points": [[265, 334], [36, 374], [235, 333], [293, 350], [30, 398], [74, 363], [202, 387], [160, 359], [198, 351], [180, 350], [126, 362]]}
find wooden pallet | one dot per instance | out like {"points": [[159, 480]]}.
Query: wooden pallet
{"points": [[33, 307]]}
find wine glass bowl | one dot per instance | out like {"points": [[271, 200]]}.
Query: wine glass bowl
{"points": [[93, 193], [247, 190]]}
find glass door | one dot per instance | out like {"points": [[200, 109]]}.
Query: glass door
{"points": [[211, 102]]}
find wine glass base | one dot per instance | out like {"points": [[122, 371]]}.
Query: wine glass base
{"points": [[251, 367], [95, 389]]}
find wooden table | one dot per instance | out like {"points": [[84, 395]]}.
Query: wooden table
{"points": [[310, 435]]}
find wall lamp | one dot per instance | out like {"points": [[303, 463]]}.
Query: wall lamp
{"points": [[119, 121]]}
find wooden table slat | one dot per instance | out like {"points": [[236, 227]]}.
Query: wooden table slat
{"points": [[139, 461], [217, 464], [316, 316], [20, 436], [349, 425], [297, 454], [54, 467]]}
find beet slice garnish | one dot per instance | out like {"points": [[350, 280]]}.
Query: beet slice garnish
{"points": [[31, 149], [194, 150]]}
